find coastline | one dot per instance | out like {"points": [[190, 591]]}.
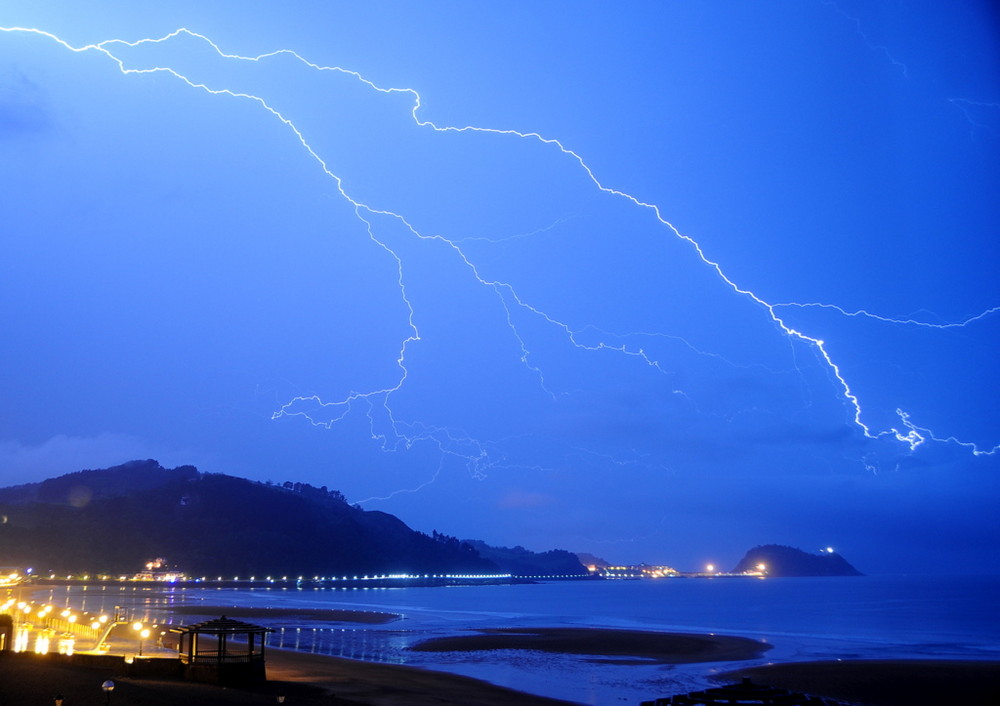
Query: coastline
{"points": [[310, 679], [305, 679], [802, 636]]}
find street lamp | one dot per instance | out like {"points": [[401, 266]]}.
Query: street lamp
{"points": [[107, 687], [143, 634]]}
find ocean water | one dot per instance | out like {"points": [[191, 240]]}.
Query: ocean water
{"points": [[874, 617]]}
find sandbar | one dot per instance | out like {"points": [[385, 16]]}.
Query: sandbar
{"points": [[639, 646]]}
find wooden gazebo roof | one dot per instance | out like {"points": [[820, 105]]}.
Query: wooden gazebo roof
{"points": [[221, 626]]}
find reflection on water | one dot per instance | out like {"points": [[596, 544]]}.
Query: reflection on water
{"points": [[362, 643]]}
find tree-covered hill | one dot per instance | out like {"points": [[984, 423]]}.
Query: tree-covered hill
{"points": [[114, 520], [523, 562]]}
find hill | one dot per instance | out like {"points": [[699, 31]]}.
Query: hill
{"points": [[114, 520], [523, 562], [789, 561]]}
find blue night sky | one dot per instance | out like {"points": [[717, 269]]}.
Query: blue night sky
{"points": [[656, 280]]}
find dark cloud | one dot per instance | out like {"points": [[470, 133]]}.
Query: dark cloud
{"points": [[23, 106]]}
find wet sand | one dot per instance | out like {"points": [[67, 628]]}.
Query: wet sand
{"points": [[885, 682], [310, 679], [315, 679], [625, 646], [306, 680]]}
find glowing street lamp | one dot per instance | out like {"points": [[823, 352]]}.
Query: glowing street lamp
{"points": [[107, 687], [141, 629]]}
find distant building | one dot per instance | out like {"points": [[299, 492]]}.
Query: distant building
{"points": [[11, 575], [159, 570], [638, 571]]}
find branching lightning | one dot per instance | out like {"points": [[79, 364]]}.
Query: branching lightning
{"points": [[861, 313], [476, 454]]}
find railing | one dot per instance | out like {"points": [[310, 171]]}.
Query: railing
{"points": [[214, 657]]}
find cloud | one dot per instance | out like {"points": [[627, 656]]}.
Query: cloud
{"points": [[518, 499], [20, 463], [22, 105]]}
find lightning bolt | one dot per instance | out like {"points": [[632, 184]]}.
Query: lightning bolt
{"points": [[878, 48], [969, 107], [480, 456]]}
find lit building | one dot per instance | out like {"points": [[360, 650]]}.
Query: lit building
{"points": [[159, 570]]}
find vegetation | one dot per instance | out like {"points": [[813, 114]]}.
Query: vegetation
{"points": [[780, 560], [522, 562], [114, 520]]}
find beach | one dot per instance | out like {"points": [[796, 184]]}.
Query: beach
{"points": [[310, 678], [31, 679], [885, 682], [318, 679], [577, 642]]}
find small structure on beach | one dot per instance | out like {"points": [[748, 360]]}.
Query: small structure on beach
{"points": [[222, 651]]}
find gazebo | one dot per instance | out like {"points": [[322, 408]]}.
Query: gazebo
{"points": [[222, 651]]}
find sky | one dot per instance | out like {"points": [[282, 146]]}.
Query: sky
{"points": [[658, 281]]}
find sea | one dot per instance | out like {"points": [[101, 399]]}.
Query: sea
{"points": [[829, 618]]}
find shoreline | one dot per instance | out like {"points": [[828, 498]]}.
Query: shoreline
{"points": [[329, 679], [310, 680]]}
